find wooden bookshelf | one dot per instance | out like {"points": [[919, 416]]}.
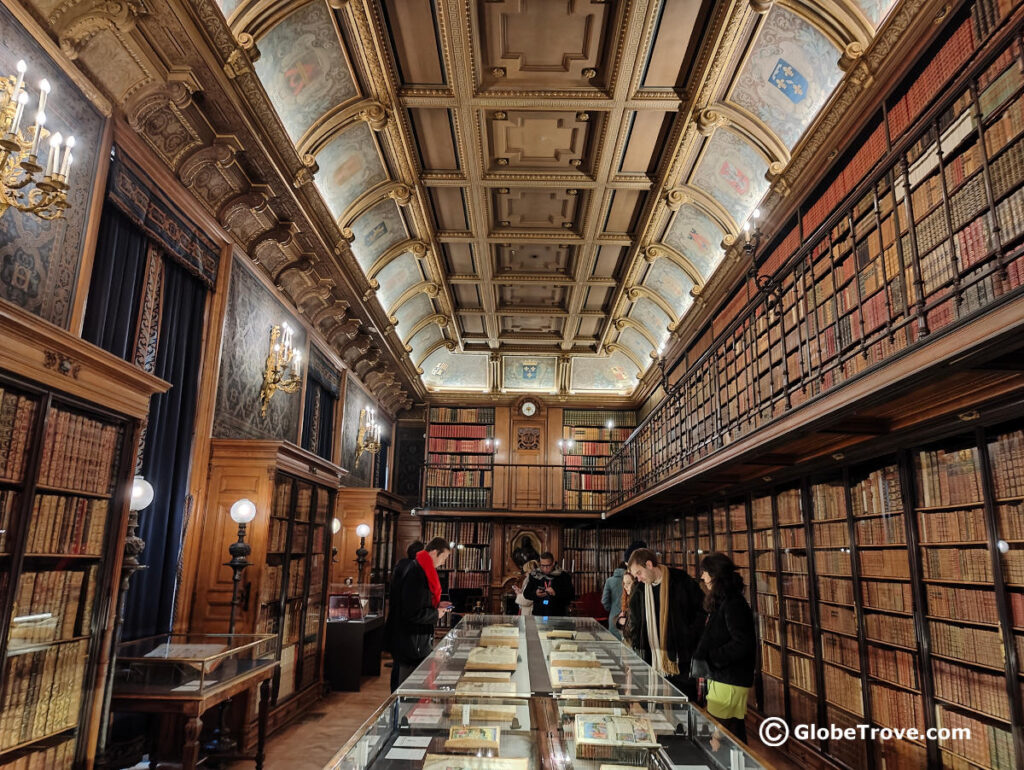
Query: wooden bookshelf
{"points": [[69, 425], [591, 553], [914, 230], [589, 438], [284, 591], [460, 458], [471, 563]]}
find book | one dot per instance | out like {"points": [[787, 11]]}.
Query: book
{"points": [[577, 659], [471, 738], [463, 687], [492, 659], [475, 712], [455, 762], [619, 738], [559, 634], [566, 676], [567, 647], [486, 676], [501, 635]]}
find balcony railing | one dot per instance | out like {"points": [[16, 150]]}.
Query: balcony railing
{"points": [[928, 241], [511, 487]]}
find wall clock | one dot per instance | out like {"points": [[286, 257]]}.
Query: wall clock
{"points": [[528, 408]]}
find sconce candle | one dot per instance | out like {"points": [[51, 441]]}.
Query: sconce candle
{"points": [[368, 434], [276, 376]]}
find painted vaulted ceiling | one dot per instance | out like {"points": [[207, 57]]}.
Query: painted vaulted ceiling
{"points": [[570, 203]]}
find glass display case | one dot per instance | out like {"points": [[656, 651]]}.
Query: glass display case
{"points": [[189, 664], [355, 602], [502, 656], [440, 732]]}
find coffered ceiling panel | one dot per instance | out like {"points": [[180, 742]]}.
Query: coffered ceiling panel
{"points": [[563, 177], [434, 134], [551, 258], [415, 40], [544, 45], [541, 140], [526, 209]]}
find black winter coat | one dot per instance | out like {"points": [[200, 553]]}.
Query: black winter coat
{"points": [[685, 621], [558, 605], [729, 645], [409, 628]]}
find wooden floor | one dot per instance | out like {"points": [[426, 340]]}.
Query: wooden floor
{"points": [[311, 741]]}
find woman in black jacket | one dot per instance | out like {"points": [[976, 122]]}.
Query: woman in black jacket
{"points": [[728, 645]]}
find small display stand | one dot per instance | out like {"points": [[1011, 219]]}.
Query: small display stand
{"points": [[182, 676]]}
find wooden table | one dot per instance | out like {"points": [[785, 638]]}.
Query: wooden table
{"points": [[192, 706]]}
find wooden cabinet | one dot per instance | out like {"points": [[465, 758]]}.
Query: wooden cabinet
{"points": [[284, 591], [380, 510], [69, 427]]}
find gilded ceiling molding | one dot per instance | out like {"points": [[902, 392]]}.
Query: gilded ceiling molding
{"points": [[254, 201], [155, 112], [634, 293], [260, 17], [370, 198], [437, 318], [283, 234], [412, 246], [429, 288], [355, 347], [320, 290], [77, 23], [303, 265], [332, 123], [709, 205], [841, 21], [621, 324], [657, 251], [348, 328], [369, 362], [336, 309], [710, 118], [613, 347], [448, 345], [304, 175], [240, 61], [751, 127], [221, 154]]}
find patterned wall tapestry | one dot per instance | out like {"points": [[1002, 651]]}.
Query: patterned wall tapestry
{"points": [[356, 400], [252, 312], [39, 260]]}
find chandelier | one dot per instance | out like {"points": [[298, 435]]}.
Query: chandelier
{"points": [[368, 435], [22, 186], [276, 375]]}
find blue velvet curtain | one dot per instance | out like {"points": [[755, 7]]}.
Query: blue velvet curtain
{"points": [[318, 431], [115, 292], [165, 461]]}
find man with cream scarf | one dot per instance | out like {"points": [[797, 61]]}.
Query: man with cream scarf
{"points": [[667, 617]]}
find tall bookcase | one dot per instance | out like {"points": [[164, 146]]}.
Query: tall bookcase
{"points": [[589, 438], [69, 419], [591, 554], [890, 592], [284, 589], [460, 458], [471, 563]]}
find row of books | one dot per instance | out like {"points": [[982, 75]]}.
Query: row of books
{"points": [[1006, 453], [583, 501], [46, 606], [9, 500], [952, 526], [838, 590], [442, 414], [480, 532], [896, 708], [976, 645], [42, 692], [442, 477], [597, 463], [277, 535], [596, 434], [977, 690], [477, 446], [970, 564], [460, 461], [961, 603], [884, 530], [585, 481], [890, 629], [78, 452], [948, 477], [472, 557], [599, 417], [840, 649], [590, 449], [441, 430], [896, 666], [843, 689], [879, 493], [446, 528], [56, 756], [67, 524], [17, 413], [894, 597], [468, 579], [987, 745], [458, 497]]}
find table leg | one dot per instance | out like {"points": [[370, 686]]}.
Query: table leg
{"points": [[261, 729], [190, 752]]}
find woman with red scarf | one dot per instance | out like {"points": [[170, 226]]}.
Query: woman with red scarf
{"points": [[415, 608]]}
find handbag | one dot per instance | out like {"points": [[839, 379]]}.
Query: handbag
{"points": [[699, 668]]}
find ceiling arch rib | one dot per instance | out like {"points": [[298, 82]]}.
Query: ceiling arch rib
{"points": [[413, 246], [622, 324], [636, 293]]}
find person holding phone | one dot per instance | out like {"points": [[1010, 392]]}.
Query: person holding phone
{"points": [[416, 607], [550, 588]]}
